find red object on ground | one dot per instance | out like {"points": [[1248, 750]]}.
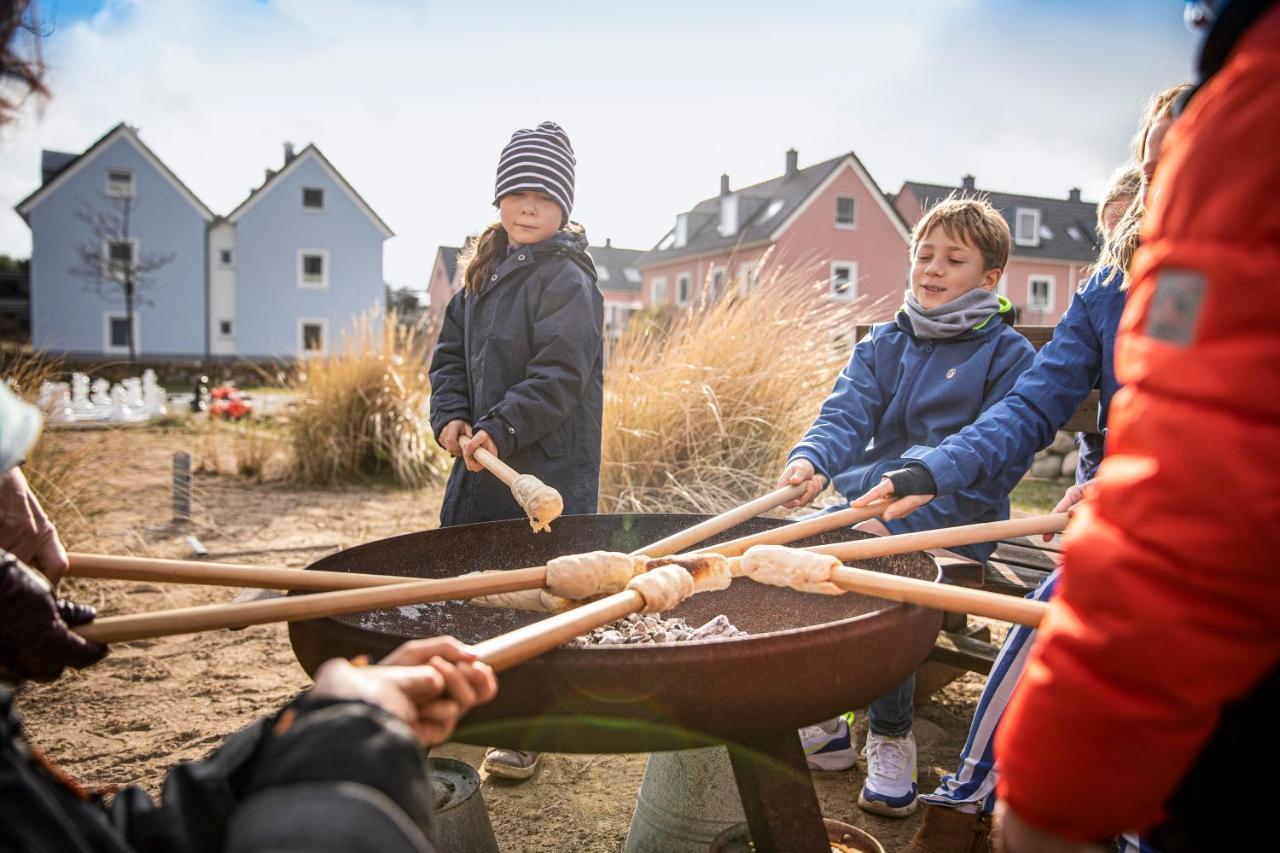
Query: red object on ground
{"points": [[1169, 603], [225, 402]]}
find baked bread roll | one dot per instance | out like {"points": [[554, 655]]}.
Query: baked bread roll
{"points": [[777, 565]]}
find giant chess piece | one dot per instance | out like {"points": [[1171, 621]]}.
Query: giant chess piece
{"points": [[120, 410], [80, 402], [200, 395], [101, 398], [153, 395], [133, 390], [54, 400]]}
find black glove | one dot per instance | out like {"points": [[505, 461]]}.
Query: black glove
{"points": [[35, 637], [913, 479]]}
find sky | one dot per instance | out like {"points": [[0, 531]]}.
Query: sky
{"points": [[413, 101]]}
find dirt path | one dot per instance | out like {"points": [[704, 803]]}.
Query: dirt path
{"points": [[152, 704]]}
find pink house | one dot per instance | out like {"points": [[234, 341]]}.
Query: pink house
{"points": [[444, 280], [1054, 242], [830, 217]]}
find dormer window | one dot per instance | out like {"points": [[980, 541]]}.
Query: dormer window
{"points": [[682, 230], [602, 273], [312, 198], [120, 183], [1026, 227], [728, 215]]}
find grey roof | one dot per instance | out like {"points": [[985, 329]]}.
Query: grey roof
{"points": [[704, 218], [449, 255], [1057, 214], [617, 262], [53, 162]]}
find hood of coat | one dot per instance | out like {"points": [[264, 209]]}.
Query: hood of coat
{"points": [[570, 244], [1003, 315]]}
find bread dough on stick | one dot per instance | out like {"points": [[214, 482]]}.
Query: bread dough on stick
{"points": [[709, 571], [536, 600], [539, 501], [777, 565], [580, 576], [663, 588]]}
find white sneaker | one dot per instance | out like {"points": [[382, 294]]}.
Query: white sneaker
{"points": [[829, 745], [890, 787]]}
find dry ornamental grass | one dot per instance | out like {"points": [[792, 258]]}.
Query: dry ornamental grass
{"points": [[699, 414]]}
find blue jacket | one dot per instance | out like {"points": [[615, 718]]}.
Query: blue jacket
{"points": [[523, 360], [900, 394], [1080, 357]]}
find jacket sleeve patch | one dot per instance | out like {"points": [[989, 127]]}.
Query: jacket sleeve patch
{"points": [[1175, 306]]}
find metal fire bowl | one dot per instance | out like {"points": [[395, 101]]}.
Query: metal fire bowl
{"points": [[809, 657]]}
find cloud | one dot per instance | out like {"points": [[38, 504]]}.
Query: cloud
{"points": [[413, 101]]}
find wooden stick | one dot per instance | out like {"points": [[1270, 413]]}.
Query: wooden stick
{"points": [[945, 537], [941, 596], [515, 647], [493, 464], [799, 529], [677, 542], [220, 574], [189, 620]]}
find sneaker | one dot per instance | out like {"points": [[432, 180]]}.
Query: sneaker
{"points": [[829, 745], [949, 830], [890, 788], [510, 763]]}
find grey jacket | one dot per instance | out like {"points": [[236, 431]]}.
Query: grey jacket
{"points": [[523, 360]]}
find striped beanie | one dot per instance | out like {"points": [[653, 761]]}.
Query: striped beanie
{"points": [[538, 159]]}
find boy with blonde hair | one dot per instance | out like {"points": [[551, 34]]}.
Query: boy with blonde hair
{"points": [[949, 354]]}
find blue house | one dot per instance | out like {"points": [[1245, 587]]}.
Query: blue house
{"points": [[280, 276]]}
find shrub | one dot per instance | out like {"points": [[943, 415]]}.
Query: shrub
{"points": [[364, 410], [701, 408]]}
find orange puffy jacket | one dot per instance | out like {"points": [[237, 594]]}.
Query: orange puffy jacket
{"points": [[1169, 603]]}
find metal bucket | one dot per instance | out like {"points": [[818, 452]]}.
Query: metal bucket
{"points": [[686, 799], [737, 839], [461, 820]]}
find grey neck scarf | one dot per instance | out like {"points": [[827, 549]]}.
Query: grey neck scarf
{"points": [[952, 318]]}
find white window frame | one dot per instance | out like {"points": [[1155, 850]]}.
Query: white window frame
{"points": [[602, 273], [682, 230], [684, 279], [851, 292], [846, 226], [116, 314], [1050, 280], [308, 208], [324, 337], [716, 278], [106, 251], [658, 290], [228, 264], [748, 276], [1002, 287], [114, 191], [1021, 238], [323, 284]]}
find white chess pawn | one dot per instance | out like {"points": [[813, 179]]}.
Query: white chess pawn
{"points": [[61, 412], [101, 397], [45, 398], [120, 410], [133, 387], [154, 400]]}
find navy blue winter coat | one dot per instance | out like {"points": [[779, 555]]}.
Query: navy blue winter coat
{"points": [[523, 360], [1080, 357], [900, 394]]}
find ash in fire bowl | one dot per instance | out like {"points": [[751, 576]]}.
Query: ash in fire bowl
{"points": [[636, 629]]}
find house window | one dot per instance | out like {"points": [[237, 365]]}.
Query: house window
{"points": [[659, 290], [313, 268], [225, 257], [312, 198], [844, 280], [121, 256], [715, 283], [1040, 293], [846, 211], [602, 273], [747, 276], [632, 275], [682, 230], [120, 183], [311, 337], [224, 328], [115, 332], [1002, 288], [1026, 227], [683, 283]]}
